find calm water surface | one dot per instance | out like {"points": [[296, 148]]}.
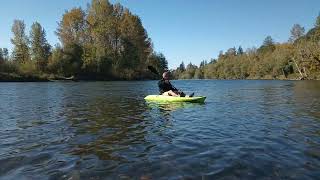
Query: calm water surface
{"points": [[105, 130]]}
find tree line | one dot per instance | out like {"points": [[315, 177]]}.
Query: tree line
{"points": [[299, 58], [105, 41]]}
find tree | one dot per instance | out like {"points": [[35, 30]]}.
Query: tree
{"points": [[101, 29], [267, 46], [74, 36], [71, 59], [1, 56], [55, 63], [190, 71], [297, 31], [20, 42], [314, 33], [72, 26], [240, 51], [231, 52], [212, 61], [199, 73], [317, 24], [182, 67], [268, 41], [163, 61], [5, 54], [113, 40], [40, 48], [135, 40], [308, 54], [105, 41], [203, 64]]}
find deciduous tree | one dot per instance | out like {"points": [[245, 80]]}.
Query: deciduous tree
{"points": [[297, 31]]}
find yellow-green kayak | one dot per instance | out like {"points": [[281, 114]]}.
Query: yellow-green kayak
{"points": [[197, 99]]}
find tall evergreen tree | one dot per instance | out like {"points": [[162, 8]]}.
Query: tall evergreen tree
{"points": [[203, 64], [267, 46], [268, 41], [164, 62], [5, 54], [240, 51], [1, 56], [182, 67], [40, 48], [20, 41]]}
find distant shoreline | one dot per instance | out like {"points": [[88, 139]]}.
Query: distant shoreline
{"points": [[5, 77]]}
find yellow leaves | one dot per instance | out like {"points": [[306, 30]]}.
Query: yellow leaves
{"points": [[73, 17], [71, 27]]}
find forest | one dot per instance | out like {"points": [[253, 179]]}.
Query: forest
{"points": [[296, 59], [107, 42], [104, 42]]}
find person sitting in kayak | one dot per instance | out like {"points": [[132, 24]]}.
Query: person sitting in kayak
{"points": [[167, 89]]}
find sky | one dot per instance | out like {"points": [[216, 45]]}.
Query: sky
{"points": [[183, 30]]}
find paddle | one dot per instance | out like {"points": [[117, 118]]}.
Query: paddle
{"points": [[152, 69]]}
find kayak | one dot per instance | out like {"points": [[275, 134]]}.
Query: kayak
{"points": [[196, 99]]}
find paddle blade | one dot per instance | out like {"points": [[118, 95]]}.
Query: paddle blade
{"points": [[152, 69]]}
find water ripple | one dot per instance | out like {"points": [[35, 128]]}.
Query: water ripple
{"points": [[105, 130]]}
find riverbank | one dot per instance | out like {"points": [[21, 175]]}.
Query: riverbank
{"points": [[13, 77]]}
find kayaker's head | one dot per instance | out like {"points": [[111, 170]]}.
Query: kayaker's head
{"points": [[166, 75]]}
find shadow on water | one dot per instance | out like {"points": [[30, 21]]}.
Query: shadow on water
{"points": [[111, 126], [171, 106]]}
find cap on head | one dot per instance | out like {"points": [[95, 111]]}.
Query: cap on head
{"points": [[165, 75]]}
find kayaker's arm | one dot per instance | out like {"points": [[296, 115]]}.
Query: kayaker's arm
{"points": [[165, 86], [173, 88]]}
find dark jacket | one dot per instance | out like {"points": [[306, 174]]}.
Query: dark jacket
{"points": [[165, 86]]}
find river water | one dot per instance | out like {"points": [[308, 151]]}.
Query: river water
{"points": [[105, 130]]}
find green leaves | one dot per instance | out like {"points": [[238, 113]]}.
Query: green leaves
{"points": [[40, 48], [111, 38], [20, 41], [269, 61]]}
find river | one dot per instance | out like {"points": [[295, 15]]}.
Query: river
{"points": [[246, 129]]}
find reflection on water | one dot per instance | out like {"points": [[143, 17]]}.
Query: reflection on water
{"points": [[99, 130], [171, 106]]}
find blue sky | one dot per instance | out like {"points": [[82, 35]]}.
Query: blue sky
{"points": [[183, 30]]}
